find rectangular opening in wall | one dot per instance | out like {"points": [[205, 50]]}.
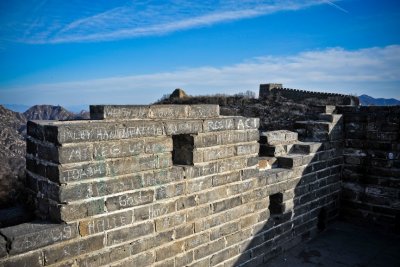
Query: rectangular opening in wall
{"points": [[183, 146], [275, 204]]}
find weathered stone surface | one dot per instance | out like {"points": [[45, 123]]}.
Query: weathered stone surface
{"points": [[168, 111], [129, 233], [203, 111], [37, 234], [101, 224], [121, 112], [86, 131], [34, 259], [169, 221], [106, 168], [73, 249], [183, 127], [73, 211], [220, 138], [170, 250], [280, 137], [100, 112], [220, 124], [129, 200], [242, 123], [208, 249], [143, 260]]}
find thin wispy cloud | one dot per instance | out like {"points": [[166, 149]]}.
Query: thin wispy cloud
{"points": [[335, 70], [336, 6], [63, 22]]}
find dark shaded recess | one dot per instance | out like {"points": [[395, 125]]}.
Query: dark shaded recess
{"points": [[183, 146]]}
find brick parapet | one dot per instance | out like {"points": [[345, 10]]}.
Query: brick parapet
{"points": [[119, 198], [299, 95]]}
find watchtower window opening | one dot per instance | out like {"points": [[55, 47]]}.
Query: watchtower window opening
{"points": [[183, 146], [275, 204]]}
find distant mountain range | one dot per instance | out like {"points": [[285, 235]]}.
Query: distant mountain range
{"points": [[367, 100], [23, 108]]}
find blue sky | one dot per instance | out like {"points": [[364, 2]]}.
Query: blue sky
{"points": [[131, 52]]}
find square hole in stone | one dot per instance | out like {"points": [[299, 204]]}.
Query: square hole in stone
{"points": [[275, 204], [183, 145]]}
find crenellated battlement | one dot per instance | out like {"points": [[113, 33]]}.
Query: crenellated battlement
{"points": [[267, 90]]}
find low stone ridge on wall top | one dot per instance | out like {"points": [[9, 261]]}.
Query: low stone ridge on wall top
{"points": [[119, 112]]}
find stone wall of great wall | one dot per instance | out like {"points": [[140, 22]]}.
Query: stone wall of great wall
{"points": [[371, 170], [180, 185]]}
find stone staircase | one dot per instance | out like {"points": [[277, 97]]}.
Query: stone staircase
{"points": [[286, 149]]}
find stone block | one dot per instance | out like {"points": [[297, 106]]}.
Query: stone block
{"points": [[184, 259], [200, 184], [216, 153], [198, 213], [168, 191], [209, 249], [306, 147], [34, 259], [279, 137], [231, 164], [170, 221], [116, 149], [73, 211], [220, 124], [101, 112], [129, 233], [223, 255], [222, 179], [117, 184], [104, 223], [203, 111], [196, 240], [88, 131], [30, 236], [169, 251], [220, 138], [142, 260], [224, 230], [184, 230], [183, 127], [113, 167], [163, 176], [227, 204], [158, 145], [247, 149], [65, 193], [169, 111], [73, 249], [253, 135], [242, 123], [290, 161], [165, 263], [129, 200]]}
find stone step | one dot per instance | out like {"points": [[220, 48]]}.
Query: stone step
{"points": [[14, 216], [334, 118], [266, 163], [317, 131], [306, 147], [291, 161], [280, 137], [328, 109], [274, 151]]}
